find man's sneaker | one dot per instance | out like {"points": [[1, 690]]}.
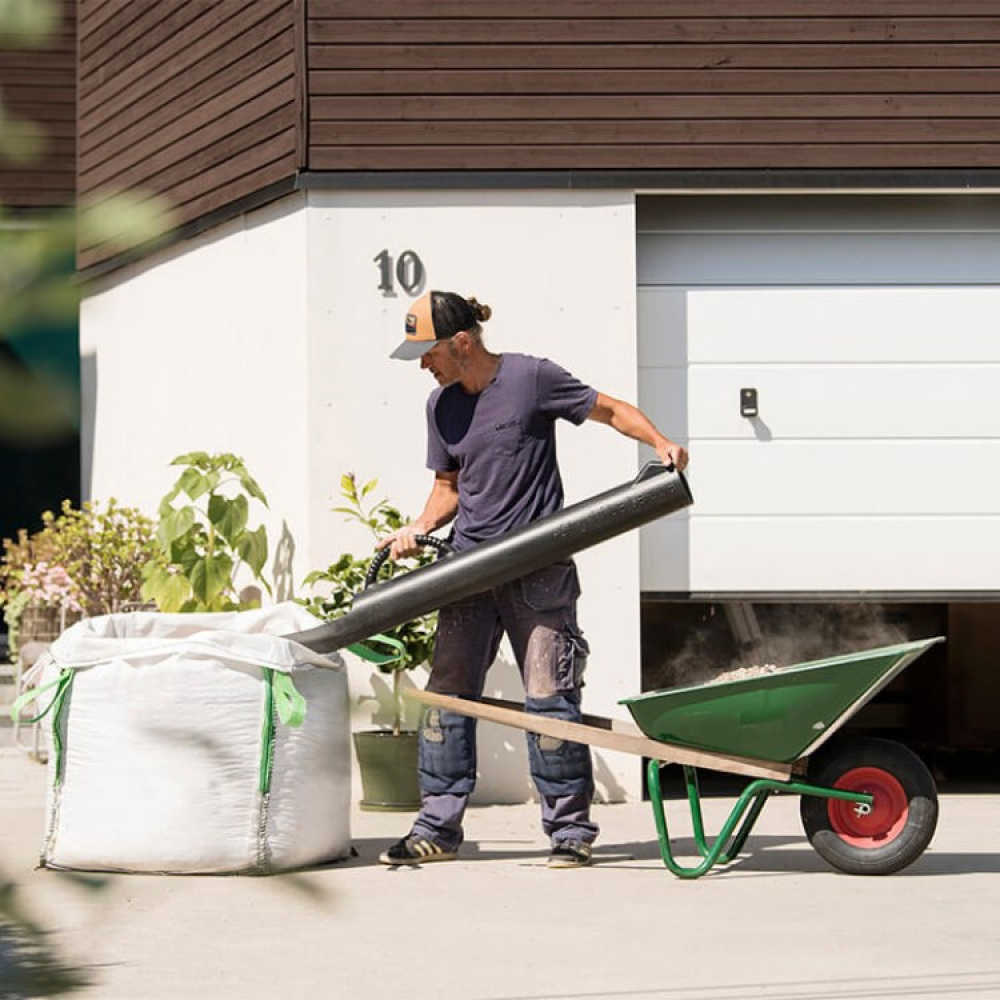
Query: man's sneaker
{"points": [[571, 854], [414, 850]]}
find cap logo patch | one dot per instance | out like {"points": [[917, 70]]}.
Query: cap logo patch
{"points": [[411, 324]]}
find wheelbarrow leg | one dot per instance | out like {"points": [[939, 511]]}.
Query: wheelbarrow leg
{"points": [[739, 839], [755, 794]]}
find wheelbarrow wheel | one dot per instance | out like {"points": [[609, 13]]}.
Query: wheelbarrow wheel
{"points": [[888, 835]]}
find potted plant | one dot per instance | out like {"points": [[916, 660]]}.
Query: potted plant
{"points": [[83, 562], [387, 757]]}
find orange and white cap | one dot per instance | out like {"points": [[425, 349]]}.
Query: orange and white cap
{"points": [[421, 331]]}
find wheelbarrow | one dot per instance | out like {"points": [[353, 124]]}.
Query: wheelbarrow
{"points": [[868, 806]]}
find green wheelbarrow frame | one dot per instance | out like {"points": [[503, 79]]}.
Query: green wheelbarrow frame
{"points": [[765, 728]]}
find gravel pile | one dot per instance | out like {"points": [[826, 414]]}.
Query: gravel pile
{"points": [[745, 673]]}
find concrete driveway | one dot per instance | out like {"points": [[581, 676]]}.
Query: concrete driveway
{"points": [[498, 925]]}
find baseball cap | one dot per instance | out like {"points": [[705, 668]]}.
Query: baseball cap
{"points": [[423, 331]]}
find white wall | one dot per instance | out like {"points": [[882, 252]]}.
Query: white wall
{"points": [[270, 338], [204, 348], [559, 271]]}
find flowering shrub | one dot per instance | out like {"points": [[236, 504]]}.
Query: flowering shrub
{"points": [[50, 587], [87, 561]]}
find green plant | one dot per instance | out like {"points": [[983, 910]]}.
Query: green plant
{"points": [[204, 544], [344, 578]]}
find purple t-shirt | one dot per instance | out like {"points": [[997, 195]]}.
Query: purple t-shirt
{"points": [[502, 442]]}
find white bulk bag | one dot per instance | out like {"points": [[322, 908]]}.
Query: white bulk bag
{"points": [[177, 745]]}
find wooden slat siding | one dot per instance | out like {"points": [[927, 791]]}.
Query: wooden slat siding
{"points": [[653, 84], [40, 85], [158, 59], [197, 102], [680, 31], [213, 74], [332, 111], [145, 155], [546, 9], [481, 83], [600, 56]]}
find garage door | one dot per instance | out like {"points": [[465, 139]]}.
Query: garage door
{"points": [[870, 330]]}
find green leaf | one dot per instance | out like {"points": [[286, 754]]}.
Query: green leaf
{"points": [[168, 590], [194, 483], [199, 458], [184, 552], [229, 516], [252, 549], [250, 485], [174, 524], [210, 577], [368, 487]]}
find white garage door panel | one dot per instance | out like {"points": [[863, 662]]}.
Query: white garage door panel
{"points": [[828, 258], [845, 477], [890, 553], [840, 401], [662, 315], [664, 554], [827, 325]]}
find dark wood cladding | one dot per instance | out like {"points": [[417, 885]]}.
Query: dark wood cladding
{"points": [[200, 102], [39, 85], [653, 84]]}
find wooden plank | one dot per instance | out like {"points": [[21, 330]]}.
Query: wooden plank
{"points": [[38, 79], [640, 8], [624, 132], [718, 56], [152, 148], [693, 157], [109, 52], [216, 74], [234, 188], [239, 155], [472, 31], [543, 81], [150, 69], [651, 106], [608, 734], [267, 163], [107, 17], [181, 165]]}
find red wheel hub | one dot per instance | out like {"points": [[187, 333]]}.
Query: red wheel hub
{"points": [[869, 826]]}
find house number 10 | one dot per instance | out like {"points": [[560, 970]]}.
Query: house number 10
{"points": [[409, 271]]}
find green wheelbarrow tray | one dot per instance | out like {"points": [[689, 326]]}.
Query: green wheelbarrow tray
{"points": [[779, 716]]}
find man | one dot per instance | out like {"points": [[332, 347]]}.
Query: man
{"points": [[491, 446]]}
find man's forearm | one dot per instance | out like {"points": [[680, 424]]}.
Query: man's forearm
{"points": [[441, 507]]}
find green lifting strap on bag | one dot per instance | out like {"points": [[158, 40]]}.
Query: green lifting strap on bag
{"points": [[290, 705], [60, 683], [373, 655]]}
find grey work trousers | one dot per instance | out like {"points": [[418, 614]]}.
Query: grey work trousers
{"points": [[538, 613]]}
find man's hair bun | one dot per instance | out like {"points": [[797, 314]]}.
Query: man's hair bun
{"points": [[483, 312]]}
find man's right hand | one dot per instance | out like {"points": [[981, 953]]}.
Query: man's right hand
{"points": [[403, 542]]}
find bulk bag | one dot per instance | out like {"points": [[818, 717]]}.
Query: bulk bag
{"points": [[195, 743]]}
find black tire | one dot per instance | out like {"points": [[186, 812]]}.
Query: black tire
{"points": [[901, 821]]}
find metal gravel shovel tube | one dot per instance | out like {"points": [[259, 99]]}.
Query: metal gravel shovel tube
{"points": [[656, 491]]}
